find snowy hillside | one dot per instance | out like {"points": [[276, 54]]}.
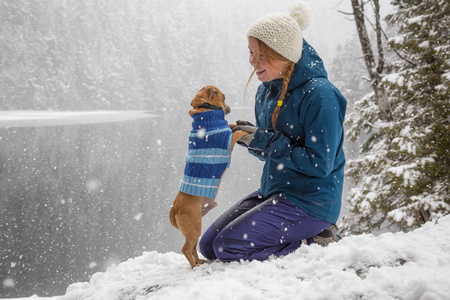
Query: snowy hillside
{"points": [[414, 265]]}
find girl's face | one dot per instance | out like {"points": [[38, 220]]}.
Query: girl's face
{"points": [[265, 71]]}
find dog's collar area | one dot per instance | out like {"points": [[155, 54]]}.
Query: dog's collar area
{"points": [[207, 105]]}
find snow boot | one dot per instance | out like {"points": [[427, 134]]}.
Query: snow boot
{"points": [[327, 236]]}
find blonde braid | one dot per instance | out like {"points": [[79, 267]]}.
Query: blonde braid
{"points": [[286, 78]]}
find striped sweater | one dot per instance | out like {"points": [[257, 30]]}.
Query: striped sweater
{"points": [[209, 154]]}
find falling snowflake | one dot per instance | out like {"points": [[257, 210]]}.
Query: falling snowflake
{"points": [[9, 283], [138, 216], [92, 265], [201, 133]]}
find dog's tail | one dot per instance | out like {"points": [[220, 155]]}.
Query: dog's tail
{"points": [[173, 218]]}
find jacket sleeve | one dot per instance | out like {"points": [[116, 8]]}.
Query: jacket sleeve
{"points": [[315, 156], [260, 155]]}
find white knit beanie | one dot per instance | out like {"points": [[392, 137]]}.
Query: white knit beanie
{"points": [[283, 32]]}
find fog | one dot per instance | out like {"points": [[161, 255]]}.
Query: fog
{"points": [[79, 195]]}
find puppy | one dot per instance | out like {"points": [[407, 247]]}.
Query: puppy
{"points": [[210, 146]]}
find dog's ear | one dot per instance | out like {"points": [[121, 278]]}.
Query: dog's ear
{"points": [[217, 98], [206, 94], [210, 93], [220, 98]]}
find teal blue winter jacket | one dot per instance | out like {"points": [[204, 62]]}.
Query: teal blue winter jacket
{"points": [[304, 159]]}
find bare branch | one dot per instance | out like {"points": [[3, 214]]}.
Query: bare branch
{"points": [[387, 38], [345, 13]]}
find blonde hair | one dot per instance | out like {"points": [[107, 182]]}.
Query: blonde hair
{"points": [[271, 56]]}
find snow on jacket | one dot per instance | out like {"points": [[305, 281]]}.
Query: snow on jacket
{"points": [[304, 159], [209, 154]]}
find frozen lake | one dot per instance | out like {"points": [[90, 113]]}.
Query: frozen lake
{"points": [[77, 194], [83, 190], [33, 118]]}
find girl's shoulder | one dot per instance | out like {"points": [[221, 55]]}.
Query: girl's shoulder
{"points": [[316, 93], [317, 87]]}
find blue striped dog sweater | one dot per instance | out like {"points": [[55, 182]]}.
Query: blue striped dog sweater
{"points": [[209, 154]]}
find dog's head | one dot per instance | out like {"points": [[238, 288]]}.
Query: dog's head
{"points": [[209, 95]]}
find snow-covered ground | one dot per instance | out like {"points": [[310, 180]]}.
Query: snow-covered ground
{"points": [[414, 265]]}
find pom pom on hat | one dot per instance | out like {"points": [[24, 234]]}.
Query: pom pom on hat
{"points": [[301, 12], [283, 32]]}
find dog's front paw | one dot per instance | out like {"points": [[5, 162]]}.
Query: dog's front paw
{"points": [[208, 205]]}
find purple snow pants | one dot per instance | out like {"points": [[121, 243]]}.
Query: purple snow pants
{"points": [[255, 228]]}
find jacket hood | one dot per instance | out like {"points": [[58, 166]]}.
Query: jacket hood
{"points": [[309, 66]]}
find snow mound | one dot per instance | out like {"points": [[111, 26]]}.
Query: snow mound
{"points": [[414, 265]]}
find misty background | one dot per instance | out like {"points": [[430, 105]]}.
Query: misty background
{"points": [[77, 198]]}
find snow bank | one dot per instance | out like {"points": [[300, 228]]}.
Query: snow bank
{"points": [[414, 265]]}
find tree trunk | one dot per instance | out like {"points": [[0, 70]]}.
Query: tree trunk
{"points": [[369, 57]]}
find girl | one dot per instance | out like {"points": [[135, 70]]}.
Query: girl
{"points": [[299, 135]]}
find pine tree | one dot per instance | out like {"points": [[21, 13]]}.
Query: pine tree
{"points": [[403, 172]]}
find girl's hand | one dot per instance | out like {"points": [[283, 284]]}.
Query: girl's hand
{"points": [[247, 127]]}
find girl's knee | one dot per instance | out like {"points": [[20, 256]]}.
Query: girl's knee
{"points": [[205, 245], [221, 250], [228, 249]]}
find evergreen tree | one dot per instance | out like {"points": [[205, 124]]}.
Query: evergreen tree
{"points": [[403, 171]]}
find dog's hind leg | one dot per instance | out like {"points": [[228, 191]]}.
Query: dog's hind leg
{"points": [[189, 249], [190, 225]]}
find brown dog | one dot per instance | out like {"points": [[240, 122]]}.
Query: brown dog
{"points": [[188, 209]]}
